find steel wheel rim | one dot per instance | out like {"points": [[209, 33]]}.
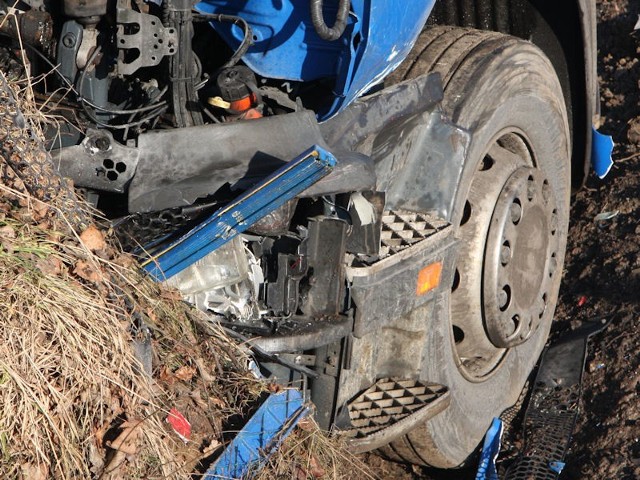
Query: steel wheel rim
{"points": [[506, 175]]}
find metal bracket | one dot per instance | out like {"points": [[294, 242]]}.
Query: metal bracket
{"points": [[98, 162], [151, 39]]}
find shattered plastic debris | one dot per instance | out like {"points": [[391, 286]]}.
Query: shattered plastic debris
{"points": [[490, 450], [582, 300], [180, 424], [556, 467], [601, 217], [601, 150]]}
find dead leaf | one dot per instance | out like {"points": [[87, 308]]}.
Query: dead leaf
{"points": [[41, 210], [93, 239], [300, 473], [196, 396], [127, 441], [96, 459], [171, 294], [34, 472], [7, 231], [166, 375], [204, 373], [50, 266], [87, 272], [185, 373], [315, 469], [124, 260], [306, 424], [211, 447]]}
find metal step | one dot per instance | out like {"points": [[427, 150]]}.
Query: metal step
{"points": [[390, 408], [401, 230]]}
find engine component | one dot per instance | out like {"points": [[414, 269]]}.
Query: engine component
{"points": [[87, 12], [237, 86], [222, 282], [325, 251], [282, 295], [145, 34], [182, 66], [32, 27], [98, 162], [209, 156], [68, 47]]}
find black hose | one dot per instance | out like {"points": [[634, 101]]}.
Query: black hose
{"points": [[247, 40], [317, 18]]}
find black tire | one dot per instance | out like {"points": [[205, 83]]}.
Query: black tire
{"points": [[505, 91]]}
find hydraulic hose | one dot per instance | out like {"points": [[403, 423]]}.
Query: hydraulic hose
{"points": [[317, 18]]}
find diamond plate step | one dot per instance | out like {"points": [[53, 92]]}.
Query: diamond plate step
{"points": [[401, 230], [391, 408]]}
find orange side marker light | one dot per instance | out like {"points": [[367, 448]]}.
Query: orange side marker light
{"points": [[428, 278]]}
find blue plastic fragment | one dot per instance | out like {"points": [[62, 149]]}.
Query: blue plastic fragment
{"points": [[281, 186], [260, 437], [601, 151], [490, 450], [556, 467]]}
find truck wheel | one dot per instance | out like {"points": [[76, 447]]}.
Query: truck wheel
{"points": [[511, 214]]}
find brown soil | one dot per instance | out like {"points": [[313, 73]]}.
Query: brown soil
{"points": [[602, 275]]}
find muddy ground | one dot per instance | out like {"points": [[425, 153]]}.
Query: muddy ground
{"points": [[602, 275]]}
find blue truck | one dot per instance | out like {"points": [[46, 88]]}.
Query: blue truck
{"points": [[373, 193]]}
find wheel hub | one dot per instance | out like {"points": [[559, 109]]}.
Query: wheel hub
{"points": [[520, 254]]}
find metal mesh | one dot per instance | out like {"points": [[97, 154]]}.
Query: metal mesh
{"points": [[23, 151], [549, 423]]}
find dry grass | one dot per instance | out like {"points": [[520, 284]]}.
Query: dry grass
{"points": [[74, 402]]}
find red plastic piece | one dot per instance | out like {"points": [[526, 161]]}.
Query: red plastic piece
{"points": [[180, 424]]}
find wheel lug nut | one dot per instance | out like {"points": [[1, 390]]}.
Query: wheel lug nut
{"points": [[505, 254], [516, 212]]}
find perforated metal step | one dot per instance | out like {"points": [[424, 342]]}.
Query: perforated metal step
{"points": [[390, 408], [553, 408], [402, 229]]}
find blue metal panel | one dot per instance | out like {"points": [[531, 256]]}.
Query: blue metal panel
{"points": [[260, 437], [271, 193], [379, 36], [286, 45]]}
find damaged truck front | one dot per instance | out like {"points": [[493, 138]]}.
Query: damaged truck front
{"points": [[380, 205]]}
